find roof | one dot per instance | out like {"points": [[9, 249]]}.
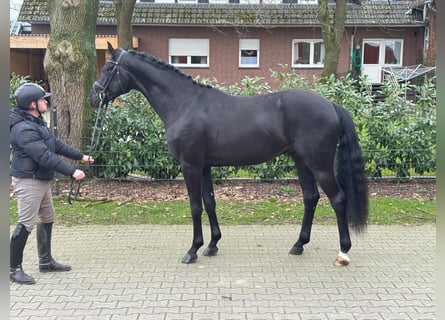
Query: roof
{"points": [[368, 13]]}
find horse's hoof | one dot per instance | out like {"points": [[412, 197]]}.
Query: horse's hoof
{"points": [[189, 258], [342, 260], [210, 251], [296, 250]]}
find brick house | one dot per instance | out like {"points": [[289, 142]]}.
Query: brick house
{"points": [[230, 39]]}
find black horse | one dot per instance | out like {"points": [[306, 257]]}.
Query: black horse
{"points": [[206, 127]]}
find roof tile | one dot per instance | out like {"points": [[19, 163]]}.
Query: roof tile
{"points": [[369, 13]]}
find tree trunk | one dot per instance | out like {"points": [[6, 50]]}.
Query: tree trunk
{"points": [[124, 12], [431, 51], [70, 63], [332, 27]]}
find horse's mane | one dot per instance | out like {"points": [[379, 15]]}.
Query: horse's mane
{"points": [[163, 65]]}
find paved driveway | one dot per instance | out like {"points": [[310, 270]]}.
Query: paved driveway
{"points": [[134, 272]]}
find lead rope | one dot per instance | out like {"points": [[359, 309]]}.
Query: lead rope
{"points": [[95, 139]]}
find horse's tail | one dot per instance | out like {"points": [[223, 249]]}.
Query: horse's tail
{"points": [[350, 167]]}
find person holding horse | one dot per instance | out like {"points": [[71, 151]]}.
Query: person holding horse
{"points": [[35, 159]]}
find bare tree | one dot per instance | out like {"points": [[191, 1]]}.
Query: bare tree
{"points": [[70, 63], [332, 27], [124, 12]]}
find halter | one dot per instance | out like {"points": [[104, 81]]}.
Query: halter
{"points": [[98, 123]]}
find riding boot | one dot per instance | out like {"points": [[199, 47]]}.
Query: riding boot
{"points": [[46, 261], [18, 242]]}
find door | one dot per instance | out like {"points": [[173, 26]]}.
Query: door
{"points": [[378, 53]]}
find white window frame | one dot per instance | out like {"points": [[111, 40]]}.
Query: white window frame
{"points": [[227, 1], [168, 1], [311, 63], [307, 1], [249, 45], [374, 70], [400, 61], [157, 1], [188, 49], [382, 50], [281, 1]]}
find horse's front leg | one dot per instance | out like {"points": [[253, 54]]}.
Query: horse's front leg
{"points": [[208, 197], [192, 178]]}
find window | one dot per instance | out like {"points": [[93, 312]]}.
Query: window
{"points": [[158, 1], [249, 53], [371, 52], [189, 52], [382, 52], [393, 52], [308, 53], [233, 1], [301, 1]]}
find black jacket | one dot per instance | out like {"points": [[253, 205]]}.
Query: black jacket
{"points": [[35, 149]]}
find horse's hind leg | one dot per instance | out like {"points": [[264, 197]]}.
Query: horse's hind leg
{"points": [[208, 198], [337, 198], [310, 199]]}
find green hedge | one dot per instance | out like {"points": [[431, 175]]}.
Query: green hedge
{"points": [[133, 139]]}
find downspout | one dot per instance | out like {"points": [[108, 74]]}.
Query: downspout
{"points": [[351, 50], [426, 35]]}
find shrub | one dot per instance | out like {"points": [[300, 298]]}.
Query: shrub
{"points": [[401, 134], [15, 81], [133, 140]]}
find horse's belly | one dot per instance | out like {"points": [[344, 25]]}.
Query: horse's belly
{"points": [[246, 153]]}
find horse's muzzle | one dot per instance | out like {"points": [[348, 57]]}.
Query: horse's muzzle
{"points": [[93, 99], [97, 95]]}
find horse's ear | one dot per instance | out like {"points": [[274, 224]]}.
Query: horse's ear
{"points": [[127, 46], [110, 47]]}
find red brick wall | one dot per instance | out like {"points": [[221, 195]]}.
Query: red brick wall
{"points": [[275, 47]]}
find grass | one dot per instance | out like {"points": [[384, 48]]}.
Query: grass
{"points": [[382, 211]]}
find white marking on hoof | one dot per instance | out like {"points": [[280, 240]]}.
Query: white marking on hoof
{"points": [[342, 260]]}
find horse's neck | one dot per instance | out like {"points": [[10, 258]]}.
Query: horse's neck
{"points": [[165, 90]]}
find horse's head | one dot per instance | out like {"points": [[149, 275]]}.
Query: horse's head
{"points": [[113, 81]]}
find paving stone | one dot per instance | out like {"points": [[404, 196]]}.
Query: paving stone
{"points": [[134, 272]]}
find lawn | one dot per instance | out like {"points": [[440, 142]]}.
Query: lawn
{"points": [[383, 210]]}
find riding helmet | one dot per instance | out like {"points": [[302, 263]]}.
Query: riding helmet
{"points": [[29, 92]]}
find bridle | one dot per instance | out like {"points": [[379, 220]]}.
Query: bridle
{"points": [[101, 114], [99, 89]]}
